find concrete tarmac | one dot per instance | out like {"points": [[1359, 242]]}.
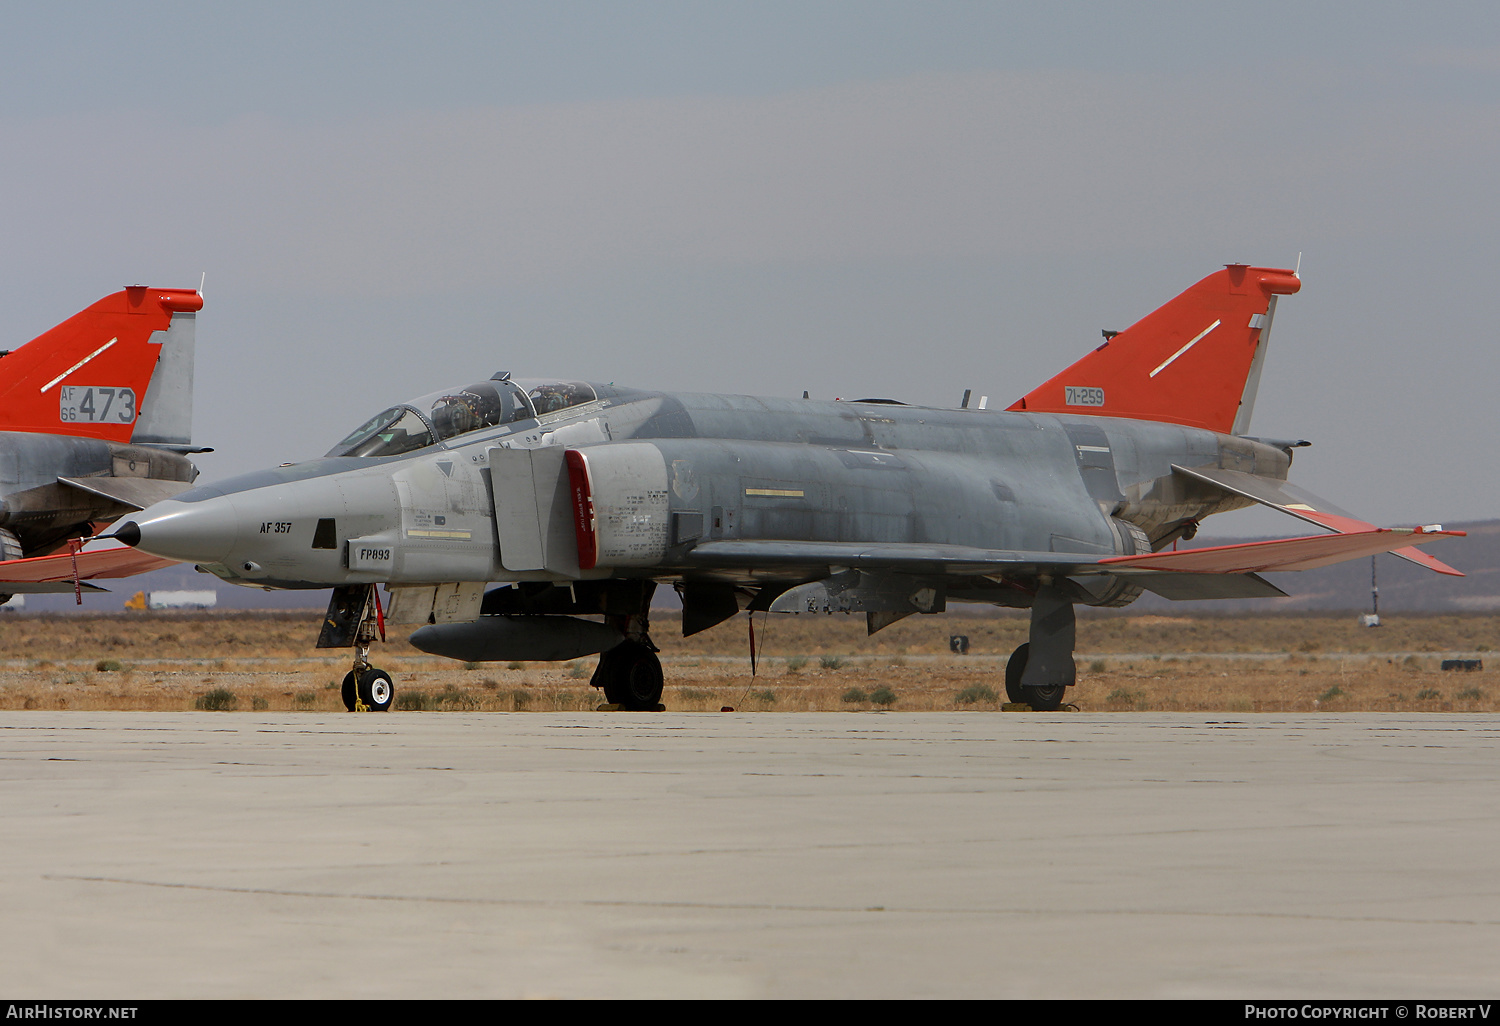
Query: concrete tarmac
{"points": [[858, 855]]}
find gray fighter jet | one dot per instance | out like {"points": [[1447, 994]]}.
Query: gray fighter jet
{"points": [[582, 497], [95, 422]]}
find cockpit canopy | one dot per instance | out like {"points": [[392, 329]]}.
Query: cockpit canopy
{"points": [[458, 411]]}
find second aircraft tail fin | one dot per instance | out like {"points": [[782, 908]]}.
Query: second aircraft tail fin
{"points": [[97, 373], [1195, 361]]}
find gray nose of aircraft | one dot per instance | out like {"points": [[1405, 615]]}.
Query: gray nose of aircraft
{"points": [[194, 532]]}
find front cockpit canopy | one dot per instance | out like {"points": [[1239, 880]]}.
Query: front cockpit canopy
{"points": [[458, 411]]}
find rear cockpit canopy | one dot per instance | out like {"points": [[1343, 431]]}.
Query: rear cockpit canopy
{"points": [[551, 396], [453, 412]]}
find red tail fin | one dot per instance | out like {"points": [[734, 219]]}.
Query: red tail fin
{"points": [[89, 375], [1195, 361]]}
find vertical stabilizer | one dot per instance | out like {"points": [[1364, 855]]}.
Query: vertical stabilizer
{"points": [[1195, 361], [92, 375], [167, 410]]}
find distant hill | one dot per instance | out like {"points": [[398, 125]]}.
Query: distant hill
{"points": [[1404, 588]]}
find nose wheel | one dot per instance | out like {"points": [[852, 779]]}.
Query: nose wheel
{"points": [[370, 690]]}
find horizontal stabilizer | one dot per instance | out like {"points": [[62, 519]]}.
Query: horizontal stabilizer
{"points": [[120, 561], [134, 492], [1283, 553], [1297, 502]]}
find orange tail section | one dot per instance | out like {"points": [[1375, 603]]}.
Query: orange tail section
{"points": [[89, 375], [1195, 361]]}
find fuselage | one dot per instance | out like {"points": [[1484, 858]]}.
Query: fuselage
{"points": [[708, 467], [40, 508]]}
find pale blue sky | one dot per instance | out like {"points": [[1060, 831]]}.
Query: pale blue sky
{"points": [[903, 199]]}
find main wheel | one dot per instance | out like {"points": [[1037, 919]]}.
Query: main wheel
{"points": [[631, 676], [351, 683], [376, 690], [1014, 667], [1043, 697]]}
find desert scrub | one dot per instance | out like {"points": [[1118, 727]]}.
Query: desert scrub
{"points": [[831, 662], [883, 697], [976, 693], [109, 666], [452, 698], [216, 700], [796, 663], [854, 696], [305, 700], [414, 701]]}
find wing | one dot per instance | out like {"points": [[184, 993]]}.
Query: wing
{"points": [[1225, 571], [57, 571], [1298, 502]]}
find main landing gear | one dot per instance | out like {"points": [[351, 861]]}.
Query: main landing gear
{"points": [[630, 673], [1040, 671], [630, 676], [355, 618]]}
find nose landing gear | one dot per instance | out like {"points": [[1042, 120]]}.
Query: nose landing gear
{"points": [[355, 618]]}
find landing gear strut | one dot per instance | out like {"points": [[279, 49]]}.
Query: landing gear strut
{"points": [[354, 618], [1040, 671], [630, 673]]}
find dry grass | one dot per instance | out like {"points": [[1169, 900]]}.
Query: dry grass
{"points": [[1148, 663]]}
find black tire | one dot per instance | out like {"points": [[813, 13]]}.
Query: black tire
{"points": [[1014, 667], [1045, 699], [631, 677], [376, 690], [350, 683], [1042, 698], [606, 672]]}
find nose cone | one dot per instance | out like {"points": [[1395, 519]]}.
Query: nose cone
{"points": [[194, 532]]}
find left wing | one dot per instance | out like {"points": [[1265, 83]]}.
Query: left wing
{"points": [[820, 558]]}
